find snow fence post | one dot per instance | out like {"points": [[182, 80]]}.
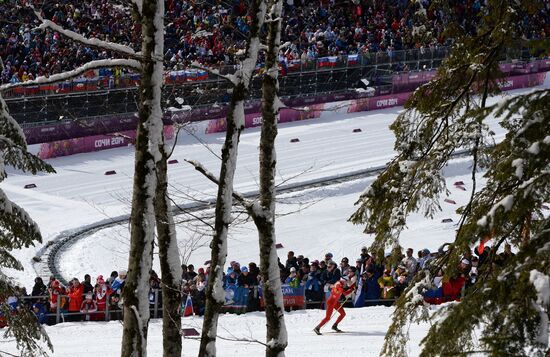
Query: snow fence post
{"points": [[156, 303], [107, 315], [58, 310]]}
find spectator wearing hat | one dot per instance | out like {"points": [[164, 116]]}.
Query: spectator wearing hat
{"points": [[40, 312], [351, 280], [292, 279], [329, 277], [119, 281], [387, 287], [101, 292], [401, 279], [56, 290], [425, 258], [88, 307], [246, 280], [328, 258], [230, 278]]}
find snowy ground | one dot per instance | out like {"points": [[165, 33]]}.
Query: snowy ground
{"points": [[80, 194], [365, 330]]}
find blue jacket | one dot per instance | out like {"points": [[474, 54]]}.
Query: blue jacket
{"points": [[313, 282], [41, 313], [373, 289]]}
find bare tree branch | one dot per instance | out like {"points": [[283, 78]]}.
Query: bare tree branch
{"points": [[60, 77]]}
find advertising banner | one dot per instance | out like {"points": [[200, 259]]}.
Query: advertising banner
{"points": [[292, 297], [93, 143]]}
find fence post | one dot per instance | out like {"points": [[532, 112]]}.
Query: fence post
{"points": [[58, 310], [107, 316], [156, 303]]}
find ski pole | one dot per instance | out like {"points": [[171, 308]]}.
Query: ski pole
{"points": [[339, 307]]}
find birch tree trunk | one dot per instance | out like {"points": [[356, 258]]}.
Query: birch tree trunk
{"points": [[142, 226], [170, 263], [215, 295], [265, 221]]}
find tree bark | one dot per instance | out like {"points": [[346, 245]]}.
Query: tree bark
{"points": [[215, 295], [276, 338], [142, 226], [170, 263]]}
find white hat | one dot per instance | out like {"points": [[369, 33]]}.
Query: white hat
{"points": [[293, 270]]}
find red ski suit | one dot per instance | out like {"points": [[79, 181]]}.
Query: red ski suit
{"points": [[332, 303]]}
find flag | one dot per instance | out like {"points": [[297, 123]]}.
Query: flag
{"points": [[359, 300], [188, 309], [327, 61], [353, 59]]}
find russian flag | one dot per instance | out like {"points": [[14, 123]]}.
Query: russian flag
{"points": [[202, 75], [190, 75], [327, 61], [188, 310], [294, 65], [353, 59], [323, 61]]}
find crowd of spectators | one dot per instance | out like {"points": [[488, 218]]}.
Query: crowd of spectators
{"points": [[374, 282], [213, 31]]}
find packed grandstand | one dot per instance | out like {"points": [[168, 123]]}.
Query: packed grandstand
{"points": [[214, 31]]}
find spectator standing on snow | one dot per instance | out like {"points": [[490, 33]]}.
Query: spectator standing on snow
{"points": [[102, 292], [387, 287], [40, 312], [88, 307], [39, 289], [75, 293], [344, 266], [118, 283], [410, 262]]}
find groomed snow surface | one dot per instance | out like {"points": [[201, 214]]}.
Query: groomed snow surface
{"points": [[80, 194]]}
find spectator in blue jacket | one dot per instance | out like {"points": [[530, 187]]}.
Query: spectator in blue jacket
{"points": [[371, 285], [40, 312]]}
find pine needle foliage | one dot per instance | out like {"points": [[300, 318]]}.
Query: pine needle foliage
{"points": [[506, 311], [17, 230]]}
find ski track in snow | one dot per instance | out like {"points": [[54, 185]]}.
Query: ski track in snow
{"points": [[80, 194]]}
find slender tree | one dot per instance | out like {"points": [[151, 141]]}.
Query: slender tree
{"points": [[149, 146], [264, 218], [262, 210], [508, 305], [215, 295], [170, 262]]}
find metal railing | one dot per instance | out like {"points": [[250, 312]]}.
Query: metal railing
{"points": [[96, 98], [60, 314]]}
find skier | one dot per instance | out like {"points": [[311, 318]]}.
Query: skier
{"points": [[338, 289]]}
